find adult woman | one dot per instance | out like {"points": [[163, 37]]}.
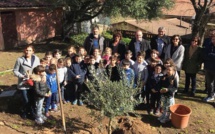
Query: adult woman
{"points": [[117, 45], [191, 64], [23, 67], [175, 51]]}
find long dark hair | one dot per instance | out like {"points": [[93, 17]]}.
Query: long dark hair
{"points": [[173, 37]]}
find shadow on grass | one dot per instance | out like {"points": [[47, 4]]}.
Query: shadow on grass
{"points": [[154, 122]]}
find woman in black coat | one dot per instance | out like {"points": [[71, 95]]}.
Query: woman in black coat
{"points": [[117, 45]]}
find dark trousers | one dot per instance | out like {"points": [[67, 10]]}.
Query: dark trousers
{"points": [[191, 77], [28, 100], [51, 101], [78, 90], [69, 91], [210, 78], [155, 100]]}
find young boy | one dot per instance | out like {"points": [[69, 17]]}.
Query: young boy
{"points": [[128, 55], [51, 79], [128, 73], [169, 87], [155, 86], [62, 77], [140, 69], [41, 91], [78, 72]]}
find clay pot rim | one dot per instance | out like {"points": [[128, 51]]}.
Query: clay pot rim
{"points": [[181, 114]]}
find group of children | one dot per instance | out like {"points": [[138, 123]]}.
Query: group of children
{"points": [[158, 79]]}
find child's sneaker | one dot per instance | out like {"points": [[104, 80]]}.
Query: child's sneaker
{"points": [[47, 114], [44, 118], [161, 117], [164, 120], [80, 103], [151, 111], [157, 112], [75, 102], [39, 121]]}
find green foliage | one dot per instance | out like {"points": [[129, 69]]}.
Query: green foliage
{"points": [[78, 39], [111, 98]]}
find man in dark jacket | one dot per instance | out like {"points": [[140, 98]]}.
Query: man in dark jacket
{"points": [[94, 41], [209, 64], [160, 41], [139, 44]]}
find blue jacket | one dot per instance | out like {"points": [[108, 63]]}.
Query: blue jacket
{"points": [[51, 80], [209, 57], [77, 69]]}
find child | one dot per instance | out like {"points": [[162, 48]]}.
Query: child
{"points": [[140, 69], [44, 63], [97, 55], [82, 52], [128, 55], [57, 54], [92, 68], [48, 57], [107, 55], [155, 86], [154, 55], [169, 87], [168, 62], [128, 73], [69, 86], [62, 76], [71, 51], [113, 69], [51, 79], [78, 72], [41, 91]]}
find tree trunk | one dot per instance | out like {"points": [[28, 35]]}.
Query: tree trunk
{"points": [[109, 125]]}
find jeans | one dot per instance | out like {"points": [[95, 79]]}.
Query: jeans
{"points": [[51, 101], [210, 78], [193, 82], [39, 107], [62, 88], [167, 102], [28, 97]]}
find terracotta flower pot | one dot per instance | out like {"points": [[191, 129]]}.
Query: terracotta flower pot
{"points": [[180, 115]]}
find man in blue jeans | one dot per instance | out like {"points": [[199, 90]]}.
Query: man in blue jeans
{"points": [[209, 63]]}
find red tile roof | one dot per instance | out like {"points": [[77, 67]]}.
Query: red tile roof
{"points": [[22, 3], [183, 8]]}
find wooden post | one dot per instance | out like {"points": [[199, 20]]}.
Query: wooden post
{"points": [[61, 103]]}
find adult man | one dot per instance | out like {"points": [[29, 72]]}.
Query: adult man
{"points": [[94, 41], [159, 42], [139, 44], [209, 64], [207, 41]]}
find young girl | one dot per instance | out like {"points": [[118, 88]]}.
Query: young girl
{"points": [[82, 52], [41, 91], [155, 86], [168, 62], [154, 56], [107, 55], [169, 87], [113, 69]]}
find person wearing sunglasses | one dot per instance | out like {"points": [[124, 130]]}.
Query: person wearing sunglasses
{"points": [[191, 64]]}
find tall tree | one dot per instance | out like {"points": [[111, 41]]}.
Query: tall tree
{"points": [[203, 15], [83, 10]]}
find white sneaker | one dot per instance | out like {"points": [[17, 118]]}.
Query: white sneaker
{"points": [[164, 120]]}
